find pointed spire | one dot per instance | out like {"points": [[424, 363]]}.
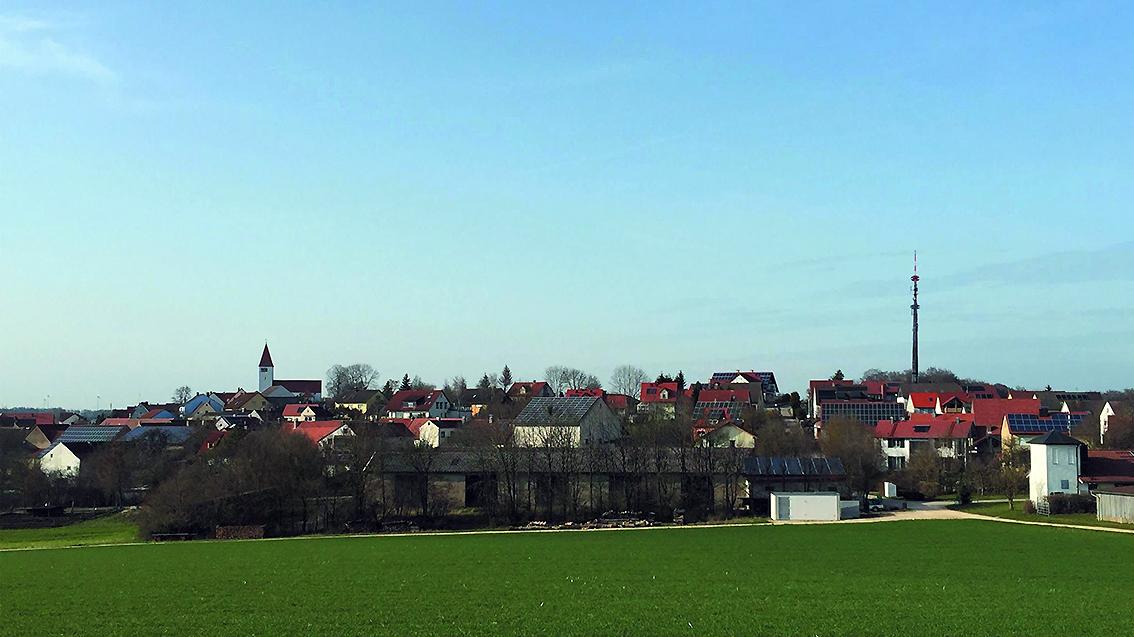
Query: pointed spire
{"points": [[266, 357]]}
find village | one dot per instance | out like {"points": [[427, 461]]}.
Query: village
{"points": [[285, 459]]}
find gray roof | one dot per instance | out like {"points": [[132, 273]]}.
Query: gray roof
{"points": [[791, 466], [559, 410], [357, 396], [1055, 438], [172, 434]]}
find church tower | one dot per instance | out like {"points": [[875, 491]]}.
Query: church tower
{"points": [[267, 369]]}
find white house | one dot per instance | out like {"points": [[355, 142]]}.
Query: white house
{"points": [[420, 403], [63, 459], [1055, 465], [566, 421], [1101, 409]]}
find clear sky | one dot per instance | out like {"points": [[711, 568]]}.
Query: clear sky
{"points": [[443, 189]]}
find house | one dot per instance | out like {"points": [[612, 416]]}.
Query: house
{"points": [[659, 398], [1023, 428], [1054, 465], [921, 403], [868, 411], [363, 401], [303, 412], [566, 422], [948, 435], [433, 432], [1100, 409], [311, 390], [246, 401], [727, 434], [202, 406], [761, 387], [324, 433], [212, 439], [1106, 469], [532, 389], [419, 403], [988, 413], [41, 436], [25, 419], [621, 404], [63, 459], [239, 421], [478, 399]]}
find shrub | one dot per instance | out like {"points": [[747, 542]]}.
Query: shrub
{"points": [[1066, 503], [1030, 507]]}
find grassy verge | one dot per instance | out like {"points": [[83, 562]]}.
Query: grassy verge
{"points": [[1001, 510], [112, 529], [711, 581]]}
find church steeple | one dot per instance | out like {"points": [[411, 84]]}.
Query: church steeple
{"points": [[267, 369], [266, 357]]}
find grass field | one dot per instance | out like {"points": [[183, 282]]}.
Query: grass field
{"points": [[944, 577], [114, 529], [1001, 510]]}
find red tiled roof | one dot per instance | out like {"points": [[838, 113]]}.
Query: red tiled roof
{"points": [[529, 388], [297, 409], [723, 395], [31, 418], [924, 399], [315, 430], [421, 399], [617, 401], [651, 392], [921, 425], [989, 412], [212, 439], [590, 391]]}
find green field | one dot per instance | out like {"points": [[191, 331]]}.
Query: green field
{"points": [[114, 529], [945, 577], [1001, 510]]}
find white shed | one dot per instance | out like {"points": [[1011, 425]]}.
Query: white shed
{"points": [[823, 505]]}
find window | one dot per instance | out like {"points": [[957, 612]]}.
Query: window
{"points": [[1055, 453], [1064, 484]]}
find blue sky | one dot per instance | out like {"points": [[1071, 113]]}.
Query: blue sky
{"points": [[443, 189]]}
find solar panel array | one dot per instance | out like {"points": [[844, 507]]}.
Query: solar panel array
{"points": [[791, 466], [89, 433], [555, 410], [715, 409], [170, 433], [767, 380], [1033, 424], [867, 412]]}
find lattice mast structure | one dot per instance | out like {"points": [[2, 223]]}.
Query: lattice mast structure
{"points": [[914, 308]]}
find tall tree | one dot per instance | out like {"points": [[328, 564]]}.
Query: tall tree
{"points": [[347, 378], [485, 382], [628, 379], [505, 378], [417, 383], [680, 380], [1013, 470], [182, 394], [406, 383]]}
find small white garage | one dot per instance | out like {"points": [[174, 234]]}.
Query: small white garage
{"points": [[797, 506]]}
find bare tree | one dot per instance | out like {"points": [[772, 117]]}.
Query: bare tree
{"points": [[346, 378], [455, 389], [182, 394], [854, 444], [1013, 470], [628, 379], [563, 378]]}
